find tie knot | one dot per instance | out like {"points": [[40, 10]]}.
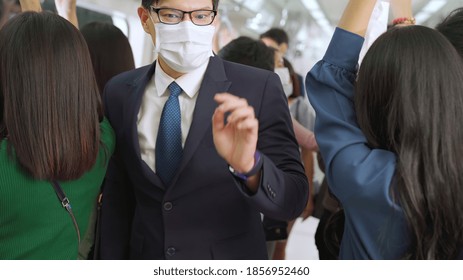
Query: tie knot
{"points": [[175, 89]]}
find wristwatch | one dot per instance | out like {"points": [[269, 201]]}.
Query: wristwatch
{"points": [[254, 170]]}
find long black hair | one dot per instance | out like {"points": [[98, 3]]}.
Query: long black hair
{"points": [[50, 102], [110, 51], [452, 28], [409, 100]]}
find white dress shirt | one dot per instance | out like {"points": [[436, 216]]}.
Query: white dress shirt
{"points": [[156, 95]]}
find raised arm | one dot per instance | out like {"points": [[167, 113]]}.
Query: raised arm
{"points": [[356, 16], [356, 174], [401, 8], [330, 85], [30, 5], [68, 10]]}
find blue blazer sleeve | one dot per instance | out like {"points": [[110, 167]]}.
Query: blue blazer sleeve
{"points": [[349, 161], [358, 176]]}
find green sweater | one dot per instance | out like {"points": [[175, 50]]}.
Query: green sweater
{"points": [[33, 224]]}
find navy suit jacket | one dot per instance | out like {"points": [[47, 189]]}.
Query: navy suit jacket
{"points": [[205, 212]]}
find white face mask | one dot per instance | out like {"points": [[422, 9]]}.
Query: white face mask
{"points": [[288, 88], [285, 78], [184, 47]]}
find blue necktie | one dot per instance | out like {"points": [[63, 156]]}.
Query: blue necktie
{"points": [[169, 140]]}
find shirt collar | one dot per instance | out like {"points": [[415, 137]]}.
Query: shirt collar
{"points": [[189, 82]]}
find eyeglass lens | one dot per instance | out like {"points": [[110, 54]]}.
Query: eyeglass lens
{"points": [[174, 16]]}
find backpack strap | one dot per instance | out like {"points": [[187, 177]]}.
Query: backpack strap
{"points": [[67, 205]]}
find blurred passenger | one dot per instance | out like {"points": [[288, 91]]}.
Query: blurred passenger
{"points": [[53, 134], [8, 9], [452, 28], [111, 55], [225, 32], [278, 39], [250, 52], [109, 49], [247, 51], [389, 138], [304, 116], [299, 105]]}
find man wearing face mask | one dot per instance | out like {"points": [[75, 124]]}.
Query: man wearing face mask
{"points": [[203, 147], [285, 77], [278, 39]]}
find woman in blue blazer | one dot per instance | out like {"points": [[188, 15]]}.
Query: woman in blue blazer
{"points": [[391, 138]]}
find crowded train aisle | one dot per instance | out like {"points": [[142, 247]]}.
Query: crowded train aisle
{"points": [[203, 129]]}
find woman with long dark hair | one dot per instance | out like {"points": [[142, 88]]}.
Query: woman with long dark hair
{"points": [[53, 134], [110, 51], [391, 138], [452, 28]]}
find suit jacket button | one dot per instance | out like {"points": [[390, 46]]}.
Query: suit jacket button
{"points": [[170, 252], [168, 206]]}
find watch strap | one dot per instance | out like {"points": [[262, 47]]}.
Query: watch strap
{"points": [[258, 162]]}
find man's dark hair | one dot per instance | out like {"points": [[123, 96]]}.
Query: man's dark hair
{"points": [[277, 34], [148, 3], [452, 28], [247, 51]]}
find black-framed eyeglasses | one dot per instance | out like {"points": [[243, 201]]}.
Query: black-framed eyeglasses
{"points": [[175, 16]]}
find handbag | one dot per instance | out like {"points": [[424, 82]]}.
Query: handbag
{"points": [[275, 229]]}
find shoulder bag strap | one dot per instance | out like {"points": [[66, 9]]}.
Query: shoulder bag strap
{"points": [[67, 205]]}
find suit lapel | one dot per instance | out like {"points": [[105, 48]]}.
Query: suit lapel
{"points": [[132, 107], [215, 81]]}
